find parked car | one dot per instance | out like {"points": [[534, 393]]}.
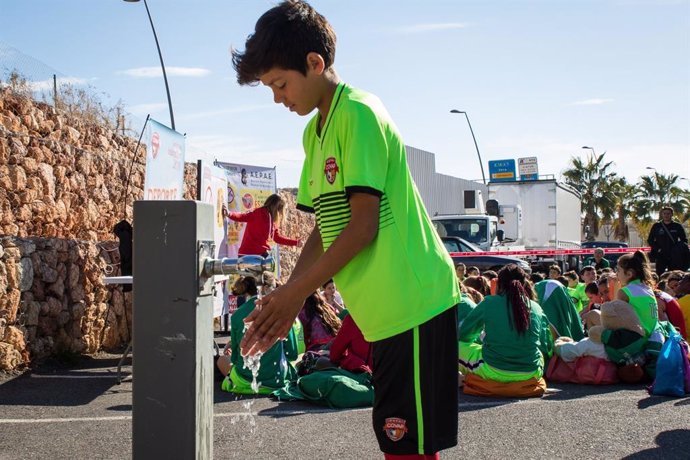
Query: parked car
{"points": [[612, 258], [457, 244]]}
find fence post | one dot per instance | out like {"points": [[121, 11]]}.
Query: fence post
{"points": [[55, 96]]}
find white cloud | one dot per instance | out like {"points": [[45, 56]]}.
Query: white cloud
{"points": [[420, 28], [154, 72], [43, 85], [595, 101]]}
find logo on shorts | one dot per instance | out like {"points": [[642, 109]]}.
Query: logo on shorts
{"points": [[331, 169], [395, 428]]}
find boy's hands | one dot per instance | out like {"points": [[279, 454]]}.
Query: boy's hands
{"points": [[275, 313], [271, 320]]}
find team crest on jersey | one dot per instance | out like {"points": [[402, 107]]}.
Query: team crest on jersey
{"points": [[395, 428], [331, 169]]}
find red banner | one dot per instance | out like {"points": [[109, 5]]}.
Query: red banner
{"points": [[549, 252]]}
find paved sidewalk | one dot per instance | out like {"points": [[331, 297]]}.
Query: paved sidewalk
{"points": [[72, 412]]}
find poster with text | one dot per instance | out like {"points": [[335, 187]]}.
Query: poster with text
{"points": [[164, 163], [247, 189], [214, 186]]}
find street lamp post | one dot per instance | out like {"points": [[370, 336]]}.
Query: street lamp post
{"points": [[160, 55], [481, 165]]}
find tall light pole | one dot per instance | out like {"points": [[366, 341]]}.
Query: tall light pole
{"points": [[481, 165], [165, 77]]}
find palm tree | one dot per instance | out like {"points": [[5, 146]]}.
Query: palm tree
{"points": [[593, 180], [615, 211], [624, 198], [657, 191]]}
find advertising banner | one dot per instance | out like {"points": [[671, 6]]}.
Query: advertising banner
{"points": [[164, 163], [247, 188], [214, 186]]}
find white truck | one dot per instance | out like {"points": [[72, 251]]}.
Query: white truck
{"points": [[523, 215]]}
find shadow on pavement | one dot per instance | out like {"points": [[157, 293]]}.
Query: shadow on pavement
{"points": [[566, 391], [672, 444], [55, 391], [56, 383], [683, 402], [653, 400], [121, 408]]}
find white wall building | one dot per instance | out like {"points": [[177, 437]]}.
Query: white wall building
{"points": [[441, 193]]}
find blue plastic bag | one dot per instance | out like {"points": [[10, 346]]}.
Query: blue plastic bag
{"points": [[670, 375]]}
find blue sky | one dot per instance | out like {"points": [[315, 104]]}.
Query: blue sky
{"points": [[537, 78]]}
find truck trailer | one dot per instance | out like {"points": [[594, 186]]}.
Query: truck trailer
{"points": [[537, 215]]}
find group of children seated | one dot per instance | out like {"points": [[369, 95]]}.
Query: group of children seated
{"points": [[514, 327], [324, 334], [510, 326]]}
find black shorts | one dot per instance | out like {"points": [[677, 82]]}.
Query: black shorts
{"points": [[416, 388]]}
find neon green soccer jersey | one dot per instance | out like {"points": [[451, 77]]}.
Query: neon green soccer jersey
{"points": [[405, 276]]}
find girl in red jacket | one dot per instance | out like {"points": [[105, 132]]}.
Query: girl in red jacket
{"points": [[262, 226]]}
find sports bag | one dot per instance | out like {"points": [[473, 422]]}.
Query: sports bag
{"points": [[670, 369], [588, 370]]}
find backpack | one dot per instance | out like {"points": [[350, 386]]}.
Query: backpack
{"points": [[334, 387], [587, 370], [671, 368]]}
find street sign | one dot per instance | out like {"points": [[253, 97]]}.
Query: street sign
{"points": [[502, 170], [528, 168]]}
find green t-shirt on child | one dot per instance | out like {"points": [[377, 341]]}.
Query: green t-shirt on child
{"points": [[359, 150]]}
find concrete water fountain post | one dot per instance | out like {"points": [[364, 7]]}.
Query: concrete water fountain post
{"points": [[172, 401]]}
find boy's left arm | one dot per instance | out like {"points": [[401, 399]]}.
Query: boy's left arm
{"points": [[276, 311]]}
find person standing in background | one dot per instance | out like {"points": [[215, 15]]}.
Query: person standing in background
{"points": [[663, 239]]}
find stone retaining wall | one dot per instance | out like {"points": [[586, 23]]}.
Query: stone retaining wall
{"points": [[62, 189], [55, 300]]}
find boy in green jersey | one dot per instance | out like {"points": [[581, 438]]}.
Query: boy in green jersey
{"points": [[371, 230]]}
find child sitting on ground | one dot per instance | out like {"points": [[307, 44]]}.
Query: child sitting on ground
{"points": [[517, 337], [349, 350], [274, 368], [635, 277], [319, 322]]}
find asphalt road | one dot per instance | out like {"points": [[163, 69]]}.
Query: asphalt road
{"points": [[78, 411]]}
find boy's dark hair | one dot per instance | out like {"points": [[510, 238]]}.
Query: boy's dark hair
{"points": [[245, 285], [283, 36], [490, 274], [536, 277], [572, 274], [555, 268], [592, 288], [587, 268]]}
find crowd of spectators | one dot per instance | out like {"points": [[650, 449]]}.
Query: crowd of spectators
{"points": [[511, 324], [497, 345]]}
